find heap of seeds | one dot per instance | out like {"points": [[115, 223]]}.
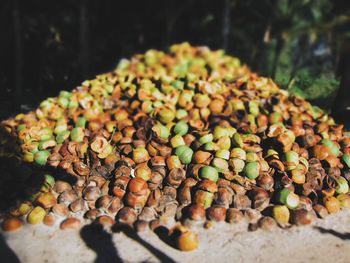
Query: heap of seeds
{"points": [[182, 139]]}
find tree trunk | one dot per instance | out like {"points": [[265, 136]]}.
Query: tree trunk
{"points": [[84, 40], [18, 63], [341, 105], [226, 25]]}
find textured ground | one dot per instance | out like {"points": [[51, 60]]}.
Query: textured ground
{"points": [[326, 241]]}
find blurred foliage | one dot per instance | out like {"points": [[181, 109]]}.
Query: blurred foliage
{"points": [[301, 44], [296, 42]]}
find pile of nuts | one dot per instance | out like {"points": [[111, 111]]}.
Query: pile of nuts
{"points": [[180, 139]]}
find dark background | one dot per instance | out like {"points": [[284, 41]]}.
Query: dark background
{"points": [[50, 45]]}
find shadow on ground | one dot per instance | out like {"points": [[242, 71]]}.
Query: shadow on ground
{"points": [[343, 236], [100, 241], [6, 253], [129, 232]]}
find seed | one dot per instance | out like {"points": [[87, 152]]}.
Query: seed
{"points": [[140, 155], [173, 162], [49, 182], [302, 217], [63, 102], [184, 153], [267, 223], [92, 214], [332, 204], [105, 152], [161, 131], [216, 106], [181, 114], [187, 241], [104, 201], [237, 164], [343, 186], [321, 152], [105, 220], [281, 214], [143, 171], [24, 208], [61, 186], [252, 157], [176, 176], [234, 216], [70, 223], [141, 225], [36, 215], [275, 117], [78, 205], [44, 134], [201, 100], [137, 185], [260, 198], [241, 202], [147, 214], [237, 140], [201, 156], [346, 159], [208, 172], [251, 170], [196, 212], [266, 181], [60, 209], [177, 141], [43, 145], [166, 115], [288, 198], [216, 213], [46, 200], [206, 138], [203, 198], [40, 157], [156, 223], [320, 210], [334, 150], [298, 176], [91, 193], [81, 122], [181, 128], [332, 161], [252, 215], [50, 220], [210, 146], [27, 157], [254, 108], [224, 143], [222, 153], [291, 158], [238, 189], [136, 201], [127, 215], [67, 197], [305, 202], [208, 185], [77, 134], [81, 168], [220, 132], [344, 200], [98, 144], [11, 224], [220, 164]]}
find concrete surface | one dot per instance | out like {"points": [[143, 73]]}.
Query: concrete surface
{"points": [[327, 240]]}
